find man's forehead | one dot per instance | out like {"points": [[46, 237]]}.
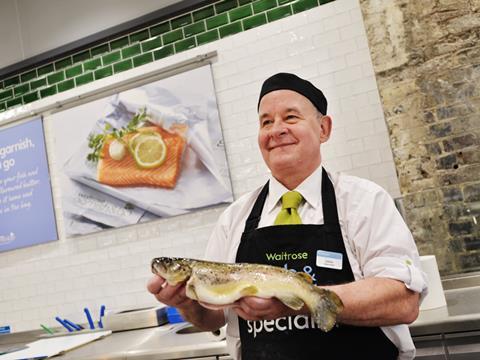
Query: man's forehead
{"points": [[284, 100]]}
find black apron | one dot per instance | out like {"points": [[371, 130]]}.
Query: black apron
{"points": [[295, 247]]}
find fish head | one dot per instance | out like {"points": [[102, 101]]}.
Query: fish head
{"points": [[174, 270]]}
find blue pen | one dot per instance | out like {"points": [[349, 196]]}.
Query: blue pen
{"points": [[64, 324], [102, 314], [73, 325], [89, 318]]}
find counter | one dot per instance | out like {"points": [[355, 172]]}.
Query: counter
{"points": [[431, 332], [461, 314], [451, 332], [162, 343]]}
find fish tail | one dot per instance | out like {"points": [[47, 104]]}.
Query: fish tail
{"points": [[325, 308]]}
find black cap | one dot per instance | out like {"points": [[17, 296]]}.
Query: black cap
{"points": [[286, 81]]}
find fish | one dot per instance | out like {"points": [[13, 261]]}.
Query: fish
{"points": [[217, 283], [125, 172]]}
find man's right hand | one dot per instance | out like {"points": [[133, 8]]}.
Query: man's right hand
{"points": [[190, 310], [168, 294]]}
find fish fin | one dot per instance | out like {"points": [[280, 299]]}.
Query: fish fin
{"points": [[326, 308], [293, 302], [305, 276], [249, 290], [190, 292]]}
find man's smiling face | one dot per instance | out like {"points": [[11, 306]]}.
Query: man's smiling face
{"points": [[290, 133]]}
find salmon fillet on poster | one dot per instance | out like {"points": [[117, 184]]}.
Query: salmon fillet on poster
{"points": [[125, 172]]}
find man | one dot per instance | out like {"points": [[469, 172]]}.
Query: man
{"points": [[343, 231]]}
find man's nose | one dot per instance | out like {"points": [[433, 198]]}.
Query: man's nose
{"points": [[278, 129]]}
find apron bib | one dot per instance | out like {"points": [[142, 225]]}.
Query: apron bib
{"points": [[319, 251]]}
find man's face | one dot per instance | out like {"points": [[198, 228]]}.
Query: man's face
{"points": [[291, 131]]}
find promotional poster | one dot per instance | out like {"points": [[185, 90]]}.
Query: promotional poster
{"points": [[26, 208], [149, 152]]}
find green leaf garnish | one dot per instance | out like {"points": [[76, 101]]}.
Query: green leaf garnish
{"points": [[96, 141]]}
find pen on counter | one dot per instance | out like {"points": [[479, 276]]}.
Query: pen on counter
{"points": [[64, 324], [73, 325], [89, 318], [102, 314], [47, 329]]}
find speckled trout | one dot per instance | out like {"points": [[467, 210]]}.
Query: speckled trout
{"points": [[218, 283]]}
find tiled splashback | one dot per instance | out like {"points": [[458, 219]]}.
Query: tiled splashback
{"points": [[195, 28]]}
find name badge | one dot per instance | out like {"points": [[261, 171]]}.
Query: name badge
{"points": [[329, 259]]}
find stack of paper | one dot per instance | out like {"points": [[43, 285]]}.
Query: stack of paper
{"points": [[45, 348]]}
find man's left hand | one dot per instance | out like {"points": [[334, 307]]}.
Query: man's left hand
{"points": [[255, 308]]}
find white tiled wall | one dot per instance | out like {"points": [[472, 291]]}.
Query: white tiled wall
{"points": [[328, 46]]}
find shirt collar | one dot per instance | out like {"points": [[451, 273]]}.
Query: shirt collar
{"points": [[310, 189]]}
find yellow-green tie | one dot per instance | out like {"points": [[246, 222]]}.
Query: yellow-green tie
{"points": [[289, 215]]}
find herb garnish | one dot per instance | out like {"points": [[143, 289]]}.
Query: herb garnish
{"points": [[96, 141]]}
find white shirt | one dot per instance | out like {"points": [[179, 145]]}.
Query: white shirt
{"points": [[377, 240]]}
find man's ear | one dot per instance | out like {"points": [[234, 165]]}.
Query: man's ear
{"points": [[326, 128]]}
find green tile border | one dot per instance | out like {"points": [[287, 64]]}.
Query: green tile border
{"points": [[131, 51], [7, 94], [84, 79], [14, 102], [142, 59], [172, 36], [15, 80], [230, 29], [163, 52], [111, 57], [263, 5], [103, 72], [207, 37], [99, 50], [185, 45], [122, 66], [66, 85], [81, 56], [139, 36], [152, 43], [279, 13], [160, 29], [203, 13], [74, 71], [28, 76], [21, 90], [241, 12], [31, 97], [254, 21], [181, 21], [216, 21], [38, 83], [119, 43], [196, 27], [49, 91]]}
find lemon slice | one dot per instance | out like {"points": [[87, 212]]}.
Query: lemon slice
{"points": [[134, 140], [150, 151]]}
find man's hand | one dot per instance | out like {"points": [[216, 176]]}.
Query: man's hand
{"points": [[190, 309], [168, 294], [255, 308]]}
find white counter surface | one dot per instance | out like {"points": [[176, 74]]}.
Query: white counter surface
{"points": [[462, 314]]}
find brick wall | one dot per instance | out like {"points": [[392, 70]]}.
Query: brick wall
{"points": [[426, 57]]}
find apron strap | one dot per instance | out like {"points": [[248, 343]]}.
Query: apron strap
{"points": [[254, 217], [329, 202]]}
